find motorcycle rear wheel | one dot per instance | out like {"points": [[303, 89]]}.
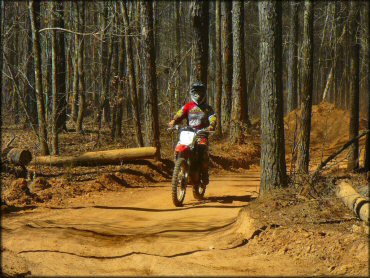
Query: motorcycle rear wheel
{"points": [[198, 191], [179, 182]]}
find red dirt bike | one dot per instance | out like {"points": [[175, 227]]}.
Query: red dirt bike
{"points": [[187, 165]]}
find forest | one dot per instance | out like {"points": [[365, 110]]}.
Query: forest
{"points": [[89, 162]]}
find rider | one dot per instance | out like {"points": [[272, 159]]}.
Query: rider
{"points": [[199, 115]]}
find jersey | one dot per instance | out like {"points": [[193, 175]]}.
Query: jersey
{"points": [[197, 116]]}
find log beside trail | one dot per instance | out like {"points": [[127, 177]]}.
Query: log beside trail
{"points": [[97, 158], [357, 203], [19, 157]]}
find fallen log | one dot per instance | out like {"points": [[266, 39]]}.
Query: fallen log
{"points": [[19, 157], [357, 203], [334, 155], [97, 158]]}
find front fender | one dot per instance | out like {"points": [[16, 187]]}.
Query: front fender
{"points": [[182, 150]]}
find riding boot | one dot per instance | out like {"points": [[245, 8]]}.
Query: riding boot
{"points": [[205, 163]]}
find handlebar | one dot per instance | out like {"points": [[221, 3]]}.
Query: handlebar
{"points": [[204, 130]]}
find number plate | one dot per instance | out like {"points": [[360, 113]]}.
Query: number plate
{"points": [[186, 137]]}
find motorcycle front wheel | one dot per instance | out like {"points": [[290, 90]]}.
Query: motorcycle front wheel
{"points": [[179, 182]]}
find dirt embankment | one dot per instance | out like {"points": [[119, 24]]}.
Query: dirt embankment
{"points": [[329, 127]]}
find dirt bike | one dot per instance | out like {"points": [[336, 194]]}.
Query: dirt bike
{"points": [[187, 165]]}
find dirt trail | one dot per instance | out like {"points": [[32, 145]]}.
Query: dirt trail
{"points": [[130, 232], [139, 232]]}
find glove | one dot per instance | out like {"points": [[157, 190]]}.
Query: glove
{"points": [[211, 128], [171, 123]]}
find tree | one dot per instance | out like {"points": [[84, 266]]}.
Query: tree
{"points": [[58, 75], [29, 88], [239, 98], [354, 94], [2, 20], [150, 79], [367, 150], [199, 16], [34, 10], [307, 89], [80, 66], [132, 79], [227, 63], [218, 68], [293, 57], [273, 166], [121, 87]]}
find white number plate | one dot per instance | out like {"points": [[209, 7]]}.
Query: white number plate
{"points": [[186, 137]]}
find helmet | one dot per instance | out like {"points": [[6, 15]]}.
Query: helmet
{"points": [[198, 92]]}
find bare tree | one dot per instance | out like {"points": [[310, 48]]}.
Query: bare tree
{"points": [[239, 98], [307, 89], [273, 166], [353, 162], [150, 79], [367, 150], [80, 66], [293, 57], [58, 75], [132, 79], [227, 62], [218, 68], [34, 9], [199, 15]]}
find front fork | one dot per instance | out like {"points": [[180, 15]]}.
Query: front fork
{"points": [[187, 165]]}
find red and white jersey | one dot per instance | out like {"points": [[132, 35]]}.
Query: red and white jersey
{"points": [[197, 116]]}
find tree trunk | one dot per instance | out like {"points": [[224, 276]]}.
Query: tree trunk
{"points": [[15, 63], [199, 16], [75, 69], [218, 61], [273, 166], [293, 57], [139, 81], [239, 98], [367, 150], [335, 71], [353, 158], [121, 88], [307, 89], [34, 9], [178, 54], [227, 62], [80, 66], [150, 78], [2, 20], [132, 80], [29, 89], [58, 75]]}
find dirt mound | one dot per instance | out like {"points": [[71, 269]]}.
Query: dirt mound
{"points": [[307, 229], [226, 156], [330, 126]]}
